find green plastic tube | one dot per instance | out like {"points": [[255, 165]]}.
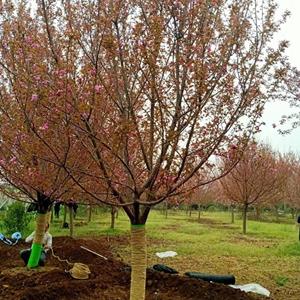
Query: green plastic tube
{"points": [[36, 250]]}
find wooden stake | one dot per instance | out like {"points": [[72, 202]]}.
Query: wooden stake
{"points": [[84, 248]]}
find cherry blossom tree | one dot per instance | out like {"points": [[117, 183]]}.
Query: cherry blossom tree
{"points": [[256, 179], [149, 93], [203, 196], [34, 140], [291, 193], [223, 199]]}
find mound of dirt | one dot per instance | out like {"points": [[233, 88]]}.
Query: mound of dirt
{"points": [[109, 279]]}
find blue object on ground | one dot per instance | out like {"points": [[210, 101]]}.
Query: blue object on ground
{"points": [[16, 235], [5, 240]]}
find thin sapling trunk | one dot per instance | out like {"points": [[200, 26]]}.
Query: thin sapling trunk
{"points": [[71, 217]]}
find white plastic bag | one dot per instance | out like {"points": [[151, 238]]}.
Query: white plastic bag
{"points": [[252, 287], [166, 254]]}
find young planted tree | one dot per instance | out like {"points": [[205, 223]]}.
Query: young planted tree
{"points": [[113, 213], [256, 179], [34, 142], [203, 196], [150, 92], [291, 193], [224, 200], [278, 200]]}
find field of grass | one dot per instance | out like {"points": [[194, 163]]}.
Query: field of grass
{"points": [[269, 254]]}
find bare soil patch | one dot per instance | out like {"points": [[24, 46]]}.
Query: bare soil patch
{"points": [[213, 223], [109, 279]]}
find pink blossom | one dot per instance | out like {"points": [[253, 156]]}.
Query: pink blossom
{"points": [[69, 107], [62, 73], [34, 97], [13, 160], [59, 93], [45, 82], [97, 88], [28, 40], [45, 126]]}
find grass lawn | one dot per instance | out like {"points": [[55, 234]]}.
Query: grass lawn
{"points": [[269, 254]]}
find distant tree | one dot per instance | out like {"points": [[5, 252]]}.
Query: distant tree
{"points": [[291, 194], [224, 199], [279, 199], [256, 179], [203, 196]]}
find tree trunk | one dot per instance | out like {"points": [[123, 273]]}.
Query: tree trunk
{"points": [[166, 210], [43, 206], [276, 214], [65, 214], [232, 215], [138, 262], [257, 213], [245, 218], [293, 213], [71, 225], [113, 212], [190, 213], [37, 245], [89, 213], [297, 214], [117, 212], [51, 215], [199, 212]]}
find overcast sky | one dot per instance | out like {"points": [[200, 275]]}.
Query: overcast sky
{"points": [[273, 112]]}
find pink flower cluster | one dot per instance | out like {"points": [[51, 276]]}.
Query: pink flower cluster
{"points": [[34, 97], [98, 88], [44, 126], [13, 160]]}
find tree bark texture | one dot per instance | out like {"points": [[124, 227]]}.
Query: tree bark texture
{"points": [[138, 262]]}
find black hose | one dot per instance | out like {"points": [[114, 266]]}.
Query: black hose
{"points": [[225, 279]]}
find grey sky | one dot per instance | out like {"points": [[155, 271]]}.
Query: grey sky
{"points": [[273, 112]]}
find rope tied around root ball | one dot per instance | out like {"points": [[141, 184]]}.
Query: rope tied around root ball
{"points": [[78, 271]]}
